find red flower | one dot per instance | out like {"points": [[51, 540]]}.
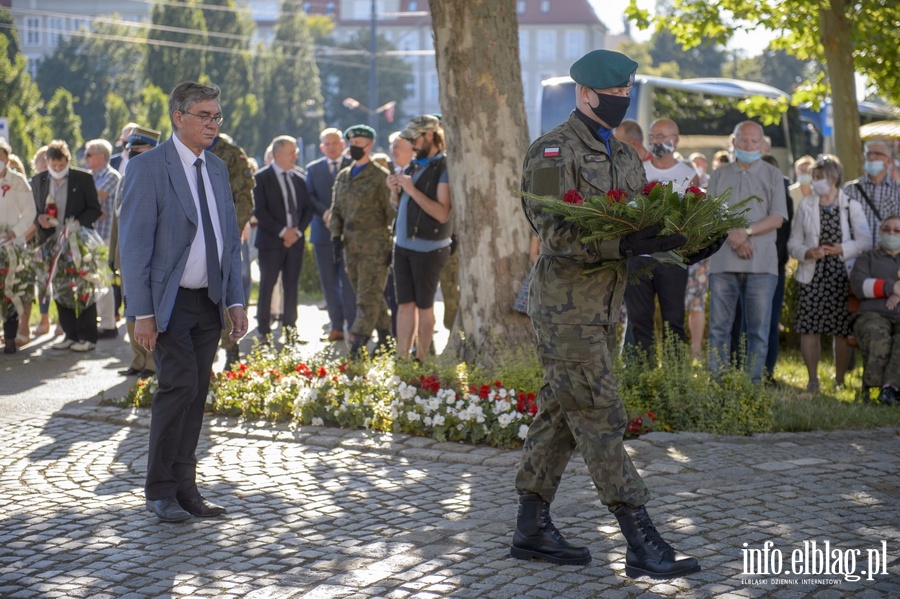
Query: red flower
{"points": [[321, 372], [573, 196], [698, 193], [304, 370], [650, 187], [484, 391], [616, 195], [342, 368], [498, 384], [652, 416]]}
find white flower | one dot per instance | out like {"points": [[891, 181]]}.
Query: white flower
{"points": [[427, 420], [412, 416], [523, 431], [438, 419], [317, 421], [502, 406], [502, 392], [505, 419]]}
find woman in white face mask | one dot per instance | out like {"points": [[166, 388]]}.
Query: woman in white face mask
{"points": [[828, 233]]}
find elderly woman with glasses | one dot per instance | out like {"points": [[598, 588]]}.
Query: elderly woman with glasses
{"points": [[828, 233], [874, 281]]}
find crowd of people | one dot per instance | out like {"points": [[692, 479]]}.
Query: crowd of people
{"points": [[378, 273], [823, 222]]}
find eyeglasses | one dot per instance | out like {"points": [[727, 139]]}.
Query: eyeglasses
{"points": [[206, 119]]}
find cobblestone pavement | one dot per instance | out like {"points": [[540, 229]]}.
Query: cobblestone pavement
{"points": [[327, 513], [319, 512]]}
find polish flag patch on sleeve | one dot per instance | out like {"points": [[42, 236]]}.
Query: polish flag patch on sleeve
{"points": [[551, 152]]}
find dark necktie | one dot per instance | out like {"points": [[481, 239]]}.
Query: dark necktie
{"points": [[213, 270], [292, 203], [332, 167]]}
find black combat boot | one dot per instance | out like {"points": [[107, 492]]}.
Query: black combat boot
{"points": [[648, 554], [358, 348], [536, 536]]}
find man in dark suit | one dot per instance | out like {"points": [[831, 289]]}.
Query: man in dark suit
{"points": [[75, 196], [320, 174], [282, 211], [181, 268]]}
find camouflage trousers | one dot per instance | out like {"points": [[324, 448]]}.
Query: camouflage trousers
{"points": [[450, 289], [879, 340], [579, 407], [367, 269]]}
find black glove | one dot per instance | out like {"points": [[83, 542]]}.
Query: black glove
{"points": [[337, 246], [707, 251], [646, 241]]}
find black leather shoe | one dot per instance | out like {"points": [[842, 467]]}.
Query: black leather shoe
{"points": [[129, 371], [167, 510], [200, 507], [146, 374], [107, 334]]}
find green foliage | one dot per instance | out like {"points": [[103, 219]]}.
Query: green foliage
{"points": [[290, 94], [20, 101], [703, 60], [777, 68], [348, 76], [153, 111], [309, 275], [683, 395], [640, 53], [8, 29], [92, 67], [175, 51], [116, 116], [62, 120]]}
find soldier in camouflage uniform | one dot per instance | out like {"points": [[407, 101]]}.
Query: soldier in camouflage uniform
{"points": [[575, 316], [875, 280], [242, 182], [361, 218]]}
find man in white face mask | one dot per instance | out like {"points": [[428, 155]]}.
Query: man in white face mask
{"points": [[876, 190]]}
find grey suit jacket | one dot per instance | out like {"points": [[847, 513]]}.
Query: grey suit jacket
{"points": [[157, 225]]}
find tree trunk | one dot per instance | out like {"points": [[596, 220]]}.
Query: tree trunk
{"points": [[477, 53], [838, 47]]}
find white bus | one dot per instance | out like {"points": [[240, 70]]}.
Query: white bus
{"points": [[706, 112]]}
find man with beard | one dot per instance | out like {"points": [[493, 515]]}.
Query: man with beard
{"points": [[422, 245]]}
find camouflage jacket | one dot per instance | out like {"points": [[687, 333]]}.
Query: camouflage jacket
{"points": [[570, 157], [362, 203], [241, 178]]}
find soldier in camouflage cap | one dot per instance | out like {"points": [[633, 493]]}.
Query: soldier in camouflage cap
{"points": [[242, 182], [574, 316], [361, 218]]}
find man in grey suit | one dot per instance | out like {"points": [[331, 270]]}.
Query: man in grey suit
{"points": [[181, 268], [320, 174]]}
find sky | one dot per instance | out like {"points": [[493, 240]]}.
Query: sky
{"points": [[752, 44]]}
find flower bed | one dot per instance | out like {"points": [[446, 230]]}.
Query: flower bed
{"points": [[452, 402]]}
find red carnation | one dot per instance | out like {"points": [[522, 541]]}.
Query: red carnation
{"points": [[696, 191], [573, 196], [616, 195], [650, 187]]}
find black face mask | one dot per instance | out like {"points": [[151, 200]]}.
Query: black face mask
{"points": [[357, 152], [611, 109]]}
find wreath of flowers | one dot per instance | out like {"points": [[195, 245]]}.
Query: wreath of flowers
{"points": [[701, 218], [20, 268], [79, 269]]}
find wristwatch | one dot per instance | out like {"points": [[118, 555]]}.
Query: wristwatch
{"points": [[749, 231]]}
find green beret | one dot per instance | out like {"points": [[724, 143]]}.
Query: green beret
{"points": [[603, 69], [359, 131]]}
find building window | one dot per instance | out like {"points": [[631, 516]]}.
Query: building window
{"points": [[306, 7], [55, 30], [413, 88], [362, 10], [545, 6], [574, 43], [546, 45], [79, 24], [413, 6], [524, 49], [520, 7], [32, 31], [433, 92], [329, 8], [32, 67]]}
